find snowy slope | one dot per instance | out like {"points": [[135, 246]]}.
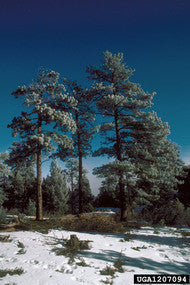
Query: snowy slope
{"points": [[148, 252]]}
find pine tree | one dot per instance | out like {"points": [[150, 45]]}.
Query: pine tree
{"points": [[72, 172], [146, 163], [156, 160], [37, 139], [55, 190], [20, 189], [121, 102], [87, 197], [85, 131], [113, 172], [108, 196]]}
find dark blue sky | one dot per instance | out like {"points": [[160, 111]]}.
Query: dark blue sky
{"points": [[154, 36]]}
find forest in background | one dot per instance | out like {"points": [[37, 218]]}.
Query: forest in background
{"points": [[60, 119]]}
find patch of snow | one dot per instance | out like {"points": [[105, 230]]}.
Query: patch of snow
{"points": [[163, 251]]}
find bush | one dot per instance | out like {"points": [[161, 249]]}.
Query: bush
{"points": [[82, 263], [108, 271], [72, 246], [118, 264], [168, 213], [16, 271], [91, 223], [4, 238], [161, 223], [84, 223], [40, 226]]}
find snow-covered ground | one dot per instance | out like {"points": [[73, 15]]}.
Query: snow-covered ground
{"points": [[163, 251]]}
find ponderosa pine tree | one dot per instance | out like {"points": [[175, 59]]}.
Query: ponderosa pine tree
{"points": [[121, 103], [85, 130], [36, 139], [134, 137], [55, 190], [156, 159]]}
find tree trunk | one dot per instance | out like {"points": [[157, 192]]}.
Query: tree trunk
{"points": [[80, 184], [119, 157], [122, 197], [25, 199], [72, 191], [80, 162], [39, 216]]}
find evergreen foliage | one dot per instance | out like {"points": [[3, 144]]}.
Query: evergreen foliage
{"points": [[20, 188], [37, 139], [156, 160], [113, 171], [55, 190], [71, 170], [145, 162], [85, 131], [58, 121], [4, 173], [73, 179], [31, 209], [121, 102], [108, 194], [184, 188], [87, 197]]}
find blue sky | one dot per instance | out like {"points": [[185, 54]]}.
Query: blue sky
{"points": [[69, 35]]}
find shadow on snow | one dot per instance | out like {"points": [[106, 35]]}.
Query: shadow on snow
{"points": [[143, 263]]}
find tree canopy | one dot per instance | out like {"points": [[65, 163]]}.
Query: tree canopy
{"points": [[43, 126], [60, 118]]}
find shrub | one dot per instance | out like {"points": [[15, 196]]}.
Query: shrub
{"points": [[22, 248], [156, 232], [108, 271], [107, 281], [16, 271], [128, 237], [82, 263], [185, 234], [72, 246], [40, 226], [162, 223], [68, 222], [5, 238], [132, 224], [137, 248], [118, 264], [112, 270], [172, 212], [92, 223]]}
